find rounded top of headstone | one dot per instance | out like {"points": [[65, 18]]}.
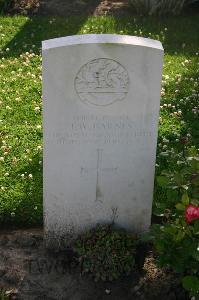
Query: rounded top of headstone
{"points": [[101, 39]]}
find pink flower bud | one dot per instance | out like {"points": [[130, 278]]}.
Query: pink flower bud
{"points": [[191, 213]]}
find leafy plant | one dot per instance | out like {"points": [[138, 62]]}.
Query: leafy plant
{"points": [[177, 240], [177, 244], [191, 284], [181, 182], [106, 253], [3, 295]]}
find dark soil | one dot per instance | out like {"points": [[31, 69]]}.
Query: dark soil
{"points": [[66, 8], [28, 271]]}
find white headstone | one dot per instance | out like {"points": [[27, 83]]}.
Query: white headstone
{"points": [[101, 109]]}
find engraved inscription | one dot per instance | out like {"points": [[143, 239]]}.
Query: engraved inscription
{"points": [[102, 82], [101, 130]]}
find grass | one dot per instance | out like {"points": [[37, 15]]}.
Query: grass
{"points": [[21, 99]]}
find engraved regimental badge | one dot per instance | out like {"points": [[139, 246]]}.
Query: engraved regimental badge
{"points": [[102, 82]]}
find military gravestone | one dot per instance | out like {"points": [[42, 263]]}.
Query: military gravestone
{"points": [[101, 110]]}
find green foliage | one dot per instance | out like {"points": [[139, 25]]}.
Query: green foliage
{"points": [[177, 245], [177, 242], [179, 183], [106, 253], [191, 284], [3, 295]]}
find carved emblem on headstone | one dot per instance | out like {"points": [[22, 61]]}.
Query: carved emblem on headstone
{"points": [[102, 82]]}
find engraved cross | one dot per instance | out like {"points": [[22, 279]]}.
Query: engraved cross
{"points": [[99, 170]]}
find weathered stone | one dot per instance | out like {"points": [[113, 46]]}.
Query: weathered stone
{"points": [[25, 240], [101, 109]]}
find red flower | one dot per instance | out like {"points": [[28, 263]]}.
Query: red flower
{"points": [[191, 213]]}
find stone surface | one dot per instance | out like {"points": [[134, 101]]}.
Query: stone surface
{"points": [[25, 241], [101, 107]]}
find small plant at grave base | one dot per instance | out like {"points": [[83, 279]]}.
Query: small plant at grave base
{"points": [[106, 253], [3, 295], [177, 240]]}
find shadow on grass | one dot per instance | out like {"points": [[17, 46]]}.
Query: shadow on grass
{"points": [[173, 32], [178, 34], [37, 29]]}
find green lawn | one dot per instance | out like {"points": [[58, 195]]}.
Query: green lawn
{"points": [[21, 99]]}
